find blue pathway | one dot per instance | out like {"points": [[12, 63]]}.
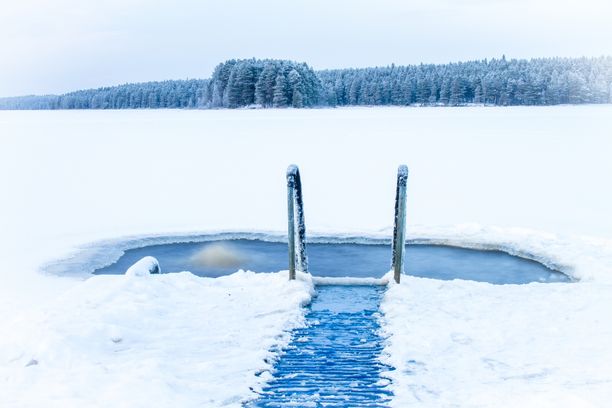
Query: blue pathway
{"points": [[333, 362]]}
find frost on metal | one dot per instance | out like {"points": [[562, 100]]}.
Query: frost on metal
{"points": [[296, 224], [399, 226], [402, 175]]}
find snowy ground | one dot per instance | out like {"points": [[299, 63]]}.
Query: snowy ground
{"points": [[471, 344], [493, 177], [152, 341]]}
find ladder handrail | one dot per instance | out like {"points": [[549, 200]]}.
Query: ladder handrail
{"points": [[399, 227], [296, 224]]}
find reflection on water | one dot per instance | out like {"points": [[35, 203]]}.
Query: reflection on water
{"points": [[219, 255]]}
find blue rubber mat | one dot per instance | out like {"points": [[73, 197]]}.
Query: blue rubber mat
{"points": [[334, 360]]}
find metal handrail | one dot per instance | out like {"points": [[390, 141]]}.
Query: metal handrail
{"points": [[399, 227], [296, 224]]}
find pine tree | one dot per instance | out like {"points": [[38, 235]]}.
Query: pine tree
{"points": [[233, 91], [217, 96], [423, 90], [433, 95], [264, 88], [456, 93], [298, 99], [297, 88], [577, 89], [445, 92], [280, 92], [478, 94], [247, 78], [354, 92]]}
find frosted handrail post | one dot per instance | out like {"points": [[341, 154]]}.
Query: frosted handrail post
{"points": [[302, 260], [291, 221], [399, 228], [296, 224]]}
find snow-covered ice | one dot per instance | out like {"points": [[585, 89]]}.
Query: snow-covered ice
{"points": [[471, 344], [145, 340], [531, 181]]}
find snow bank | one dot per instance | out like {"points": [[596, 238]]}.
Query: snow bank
{"points": [[471, 344], [159, 341], [146, 266]]}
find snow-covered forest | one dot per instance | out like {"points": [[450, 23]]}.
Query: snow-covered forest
{"points": [[281, 83], [495, 82]]}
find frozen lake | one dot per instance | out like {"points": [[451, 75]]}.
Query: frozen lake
{"points": [[527, 180], [90, 174], [73, 177]]}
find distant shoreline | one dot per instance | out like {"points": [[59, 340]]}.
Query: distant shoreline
{"points": [[255, 83]]}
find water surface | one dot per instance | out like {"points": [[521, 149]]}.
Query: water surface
{"points": [[341, 259]]}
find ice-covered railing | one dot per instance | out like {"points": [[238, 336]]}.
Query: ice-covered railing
{"points": [[297, 228], [399, 228], [296, 225]]}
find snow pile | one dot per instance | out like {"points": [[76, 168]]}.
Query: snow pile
{"points": [[146, 266], [471, 344], [152, 340]]}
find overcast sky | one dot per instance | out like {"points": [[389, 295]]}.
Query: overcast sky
{"points": [[53, 46]]}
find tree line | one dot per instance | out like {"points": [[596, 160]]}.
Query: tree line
{"points": [[281, 83], [265, 83], [165, 94], [546, 81]]}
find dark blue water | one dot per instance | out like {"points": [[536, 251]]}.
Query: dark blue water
{"points": [[343, 259], [333, 361]]}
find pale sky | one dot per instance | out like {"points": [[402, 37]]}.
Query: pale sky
{"points": [[54, 46]]}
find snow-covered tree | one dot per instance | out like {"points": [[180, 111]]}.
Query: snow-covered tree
{"points": [[280, 92]]}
